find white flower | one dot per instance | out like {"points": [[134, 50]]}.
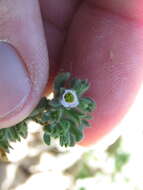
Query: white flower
{"points": [[69, 99]]}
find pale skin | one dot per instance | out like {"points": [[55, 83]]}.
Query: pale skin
{"points": [[102, 36]]}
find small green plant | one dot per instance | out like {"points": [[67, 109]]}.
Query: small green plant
{"points": [[84, 172], [113, 149], [120, 157], [82, 188], [120, 160], [64, 117]]}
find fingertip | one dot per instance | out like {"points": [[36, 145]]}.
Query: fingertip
{"points": [[28, 69]]}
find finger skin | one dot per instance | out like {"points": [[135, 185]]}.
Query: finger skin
{"points": [[57, 16], [59, 13], [132, 9], [21, 26], [107, 49]]}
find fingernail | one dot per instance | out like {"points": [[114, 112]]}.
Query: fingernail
{"points": [[14, 81]]}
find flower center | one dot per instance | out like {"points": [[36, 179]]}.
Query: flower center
{"points": [[69, 97]]}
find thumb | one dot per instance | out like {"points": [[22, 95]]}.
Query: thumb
{"points": [[23, 60]]}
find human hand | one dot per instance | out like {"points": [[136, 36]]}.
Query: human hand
{"points": [[92, 39]]}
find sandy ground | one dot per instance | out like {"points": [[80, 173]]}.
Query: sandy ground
{"points": [[33, 165]]}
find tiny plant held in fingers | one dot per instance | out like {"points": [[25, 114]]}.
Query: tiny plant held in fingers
{"points": [[64, 117]]}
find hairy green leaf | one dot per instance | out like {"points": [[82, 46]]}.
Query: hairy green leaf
{"points": [[60, 81], [47, 139]]}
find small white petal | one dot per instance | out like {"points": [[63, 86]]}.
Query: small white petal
{"points": [[70, 104]]}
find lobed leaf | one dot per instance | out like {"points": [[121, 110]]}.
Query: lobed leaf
{"points": [[60, 81], [47, 139], [12, 134], [80, 86]]}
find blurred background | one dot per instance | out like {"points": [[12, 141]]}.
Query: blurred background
{"points": [[33, 165]]}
